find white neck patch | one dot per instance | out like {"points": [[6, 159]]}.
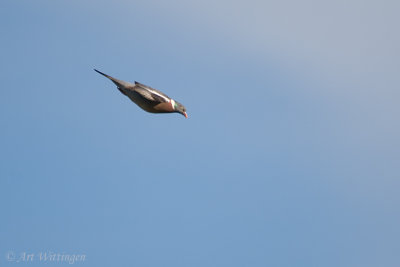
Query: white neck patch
{"points": [[173, 103]]}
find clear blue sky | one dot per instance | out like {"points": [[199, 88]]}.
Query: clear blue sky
{"points": [[290, 156]]}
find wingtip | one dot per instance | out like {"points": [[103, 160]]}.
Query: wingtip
{"points": [[101, 73]]}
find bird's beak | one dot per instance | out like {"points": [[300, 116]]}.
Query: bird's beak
{"points": [[184, 114]]}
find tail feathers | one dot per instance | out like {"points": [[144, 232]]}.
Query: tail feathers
{"points": [[119, 83]]}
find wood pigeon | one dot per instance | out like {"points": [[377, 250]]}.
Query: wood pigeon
{"points": [[149, 99]]}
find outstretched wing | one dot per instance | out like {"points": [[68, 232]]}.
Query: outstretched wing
{"points": [[151, 93]]}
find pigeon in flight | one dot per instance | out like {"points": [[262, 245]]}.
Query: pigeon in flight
{"points": [[149, 99]]}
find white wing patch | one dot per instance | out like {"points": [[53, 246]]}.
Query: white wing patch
{"points": [[160, 95]]}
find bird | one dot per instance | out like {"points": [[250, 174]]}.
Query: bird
{"points": [[147, 98]]}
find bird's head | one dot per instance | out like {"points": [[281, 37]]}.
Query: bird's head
{"points": [[178, 107]]}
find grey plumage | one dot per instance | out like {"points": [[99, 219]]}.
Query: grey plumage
{"points": [[149, 99]]}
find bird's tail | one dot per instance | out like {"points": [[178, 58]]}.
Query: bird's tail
{"points": [[119, 83]]}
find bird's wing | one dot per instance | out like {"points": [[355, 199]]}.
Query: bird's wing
{"points": [[151, 93], [118, 83]]}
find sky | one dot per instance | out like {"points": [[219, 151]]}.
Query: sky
{"points": [[289, 157]]}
